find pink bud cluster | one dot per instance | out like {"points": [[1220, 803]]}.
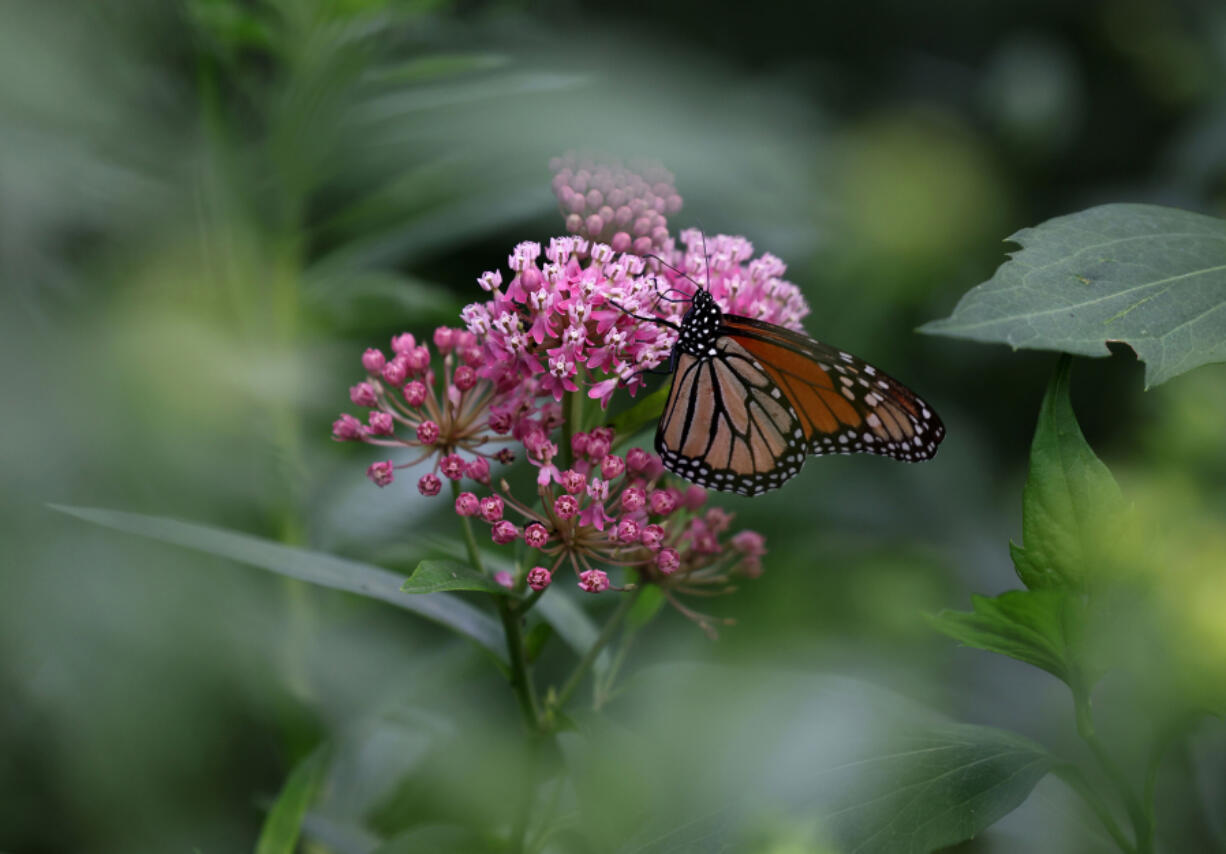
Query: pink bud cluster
{"points": [[608, 511], [437, 414], [626, 207]]}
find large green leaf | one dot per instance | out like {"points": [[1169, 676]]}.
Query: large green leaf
{"points": [[1028, 625], [645, 411], [1151, 277], [434, 576], [280, 832], [935, 787], [315, 567], [1072, 509]]}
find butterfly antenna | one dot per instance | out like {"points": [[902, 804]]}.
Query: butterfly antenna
{"points": [[658, 320], [680, 273], [705, 257]]}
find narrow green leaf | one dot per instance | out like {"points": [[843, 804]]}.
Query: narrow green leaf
{"points": [[316, 567], [1152, 277], [646, 411], [1028, 625], [280, 832], [1072, 509], [646, 607], [433, 576]]}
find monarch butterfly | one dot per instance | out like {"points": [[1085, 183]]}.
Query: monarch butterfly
{"points": [[751, 400]]}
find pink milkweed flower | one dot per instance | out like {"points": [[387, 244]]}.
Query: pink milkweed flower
{"points": [[504, 532], [504, 578], [429, 485], [466, 504]]}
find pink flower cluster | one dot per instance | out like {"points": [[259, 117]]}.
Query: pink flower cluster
{"points": [[437, 415], [606, 202]]}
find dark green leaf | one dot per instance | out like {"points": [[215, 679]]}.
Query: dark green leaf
{"points": [[1072, 509], [315, 567], [434, 576], [280, 832], [536, 639], [646, 411], [1152, 277], [1028, 625]]}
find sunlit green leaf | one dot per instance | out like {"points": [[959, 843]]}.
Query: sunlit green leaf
{"points": [[433, 576], [315, 567], [1072, 509], [1151, 277], [280, 832], [1028, 625]]}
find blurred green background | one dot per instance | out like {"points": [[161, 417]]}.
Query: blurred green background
{"points": [[209, 209]]}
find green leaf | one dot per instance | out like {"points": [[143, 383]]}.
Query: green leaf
{"points": [[1151, 277], [316, 567], [280, 832], [1028, 625], [646, 411], [934, 787], [573, 625], [649, 603], [1072, 509], [433, 576]]}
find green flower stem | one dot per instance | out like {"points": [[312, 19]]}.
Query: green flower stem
{"points": [[1076, 781], [589, 657], [603, 691], [572, 420], [521, 679], [1142, 827]]}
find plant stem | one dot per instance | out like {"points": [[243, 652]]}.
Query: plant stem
{"points": [[1076, 781], [589, 657], [572, 417], [509, 612], [1141, 825]]}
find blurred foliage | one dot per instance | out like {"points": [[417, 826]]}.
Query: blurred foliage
{"points": [[208, 209]]}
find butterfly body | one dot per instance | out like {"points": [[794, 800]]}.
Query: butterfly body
{"points": [[750, 401]]}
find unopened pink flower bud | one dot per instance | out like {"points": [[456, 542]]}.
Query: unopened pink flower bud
{"points": [[628, 531], [593, 581], [612, 466], [429, 485], [501, 422], [452, 466], [652, 537], [381, 474], [415, 393], [379, 423], [444, 339], [464, 378], [663, 502], [634, 499], [504, 532], [491, 508], [396, 371], [427, 432], [667, 561], [694, 497], [566, 506], [637, 459], [403, 343], [505, 456], [536, 535], [347, 428], [373, 361], [620, 242], [466, 504], [749, 543], [419, 359], [363, 394], [718, 519], [504, 578], [605, 434], [573, 482], [539, 578], [597, 448], [478, 470], [578, 443]]}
